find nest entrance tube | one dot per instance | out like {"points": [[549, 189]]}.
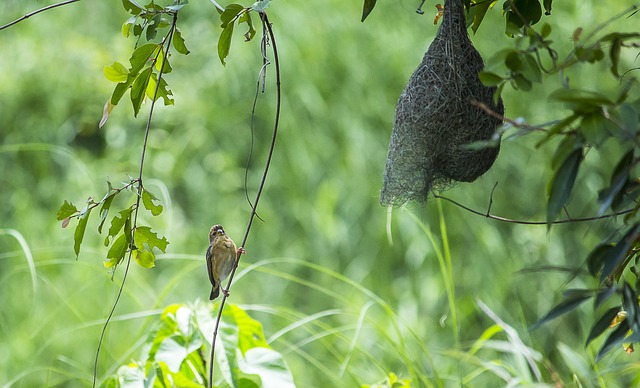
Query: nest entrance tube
{"points": [[436, 121]]}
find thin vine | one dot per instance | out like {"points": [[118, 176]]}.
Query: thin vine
{"points": [[269, 38]]}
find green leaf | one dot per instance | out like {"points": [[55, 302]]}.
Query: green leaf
{"points": [[367, 8], [144, 237], [178, 42], [630, 304], [116, 72], [568, 146], [615, 339], [593, 128], [597, 258], [589, 54], [152, 27], [117, 94], [104, 210], [139, 88], [619, 178], [126, 26], [224, 43], [528, 13], [581, 100], [557, 128], [603, 295], [481, 11], [531, 69], [567, 305], [66, 210], [117, 251], [547, 6], [229, 15], [620, 252], [629, 120], [147, 200], [562, 184], [78, 235], [132, 7], [246, 18], [489, 79], [163, 91], [141, 56], [144, 257], [602, 324], [118, 222]]}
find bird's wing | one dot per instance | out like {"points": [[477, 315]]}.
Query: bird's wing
{"points": [[210, 266]]}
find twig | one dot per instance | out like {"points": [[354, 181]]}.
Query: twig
{"points": [[267, 24], [27, 16], [139, 196], [525, 222], [497, 115]]}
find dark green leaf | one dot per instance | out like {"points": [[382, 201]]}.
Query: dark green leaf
{"points": [[569, 145], [246, 18], [526, 12], [512, 61], [615, 339], [229, 15], [178, 42], [152, 27], [147, 200], [530, 69], [602, 324], [139, 88], [562, 184], [224, 43], [489, 79], [629, 120], [117, 251], [619, 178], [132, 7], [367, 8], [481, 11], [141, 57], [522, 83], [104, 210], [562, 308], [547, 6], [603, 295], [593, 128], [78, 235], [620, 252], [118, 221], [597, 258], [557, 128], [582, 99], [630, 304], [66, 210], [545, 31], [120, 90]]}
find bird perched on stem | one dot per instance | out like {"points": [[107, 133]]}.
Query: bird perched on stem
{"points": [[222, 255]]}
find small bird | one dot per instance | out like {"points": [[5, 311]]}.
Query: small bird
{"points": [[221, 258]]}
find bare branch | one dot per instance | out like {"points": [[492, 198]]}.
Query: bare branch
{"points": [[27, 16]]}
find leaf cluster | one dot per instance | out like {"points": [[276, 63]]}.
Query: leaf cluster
{"points": [[123, 235], [175, 352], [149, 62]]}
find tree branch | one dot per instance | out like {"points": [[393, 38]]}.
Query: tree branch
{"points": [[27, 16]]}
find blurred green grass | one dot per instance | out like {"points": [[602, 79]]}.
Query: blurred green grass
{"points": [[341, 79]]}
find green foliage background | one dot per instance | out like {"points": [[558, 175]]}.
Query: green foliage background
{"points": [[341, 79]]}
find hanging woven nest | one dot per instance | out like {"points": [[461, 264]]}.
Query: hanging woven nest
{"points": [[436, 120]]}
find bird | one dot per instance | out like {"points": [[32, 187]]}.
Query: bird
{"points": [[221, 256]]}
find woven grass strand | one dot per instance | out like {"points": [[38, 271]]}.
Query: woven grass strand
{"points": [[435, 119]]}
